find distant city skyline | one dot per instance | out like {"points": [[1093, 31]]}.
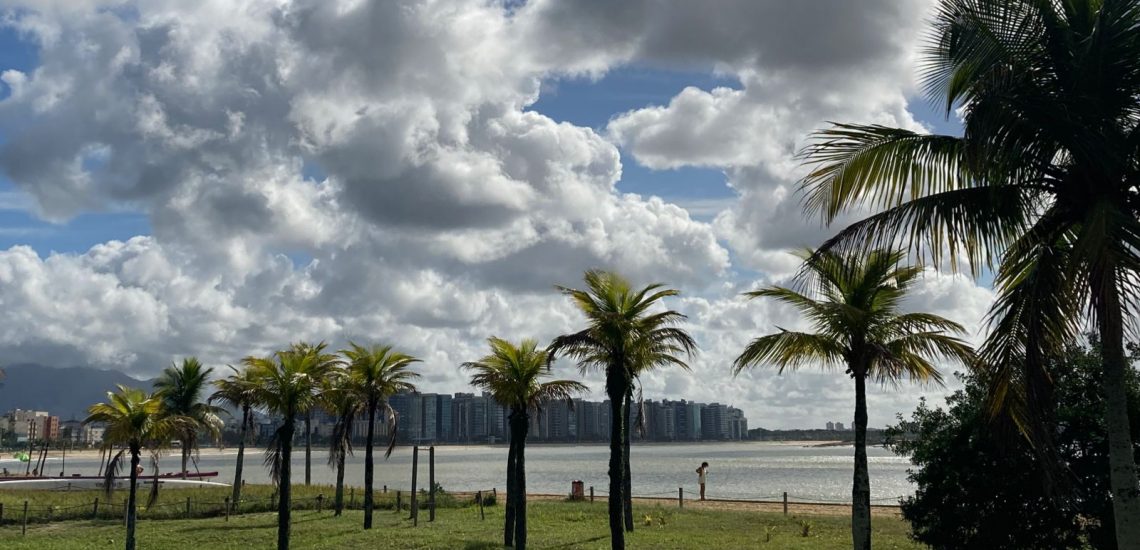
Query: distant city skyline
{"points": [[477, 418]]}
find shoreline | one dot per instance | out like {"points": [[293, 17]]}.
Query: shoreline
{"points": [[56, 455]]}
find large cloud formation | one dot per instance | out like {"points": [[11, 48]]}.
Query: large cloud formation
{"points": [[371, 170]]}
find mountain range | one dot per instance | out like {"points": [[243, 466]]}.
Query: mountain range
{"points": [[64, 392]]}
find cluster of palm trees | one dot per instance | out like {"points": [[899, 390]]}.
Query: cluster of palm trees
{"points": [[288, 384]]}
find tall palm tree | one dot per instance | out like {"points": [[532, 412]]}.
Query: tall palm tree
{"points": [[515, 376], [1043, 183], [181, 387], [853, 304], [624, 332], [288, 385], [317, 355], [136, 421], [375, 374], [343, 404], [238, 390]]}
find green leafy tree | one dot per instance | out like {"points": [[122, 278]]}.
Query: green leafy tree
{"points": [[239, 391], [375, 374], [853, 306], [181, 389], [515, 376], [138, 422], [288, 385], [625, 331], [1043, 183], [979, 488]]}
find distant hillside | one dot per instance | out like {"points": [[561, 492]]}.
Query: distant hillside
{"points": [[64, 392]]}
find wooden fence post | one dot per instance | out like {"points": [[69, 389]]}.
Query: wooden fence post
{"points": [[412, 499], [227, 508], [680, 497], [479, 499], [95, 509], [187, 507], [24, 531], [351, 496], [399, 504], [591, 493], [431, 483], [785, 503], [320, 502]]}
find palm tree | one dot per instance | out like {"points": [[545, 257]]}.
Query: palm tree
{"points": [[1043, 183], [852, 303], [623, 334], [318, 355], [136, 421], [514, 376], [376, 373], [341, 401], [238, 390], [180, 387], [288, 385]]}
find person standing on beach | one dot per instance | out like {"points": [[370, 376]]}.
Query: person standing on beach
{"points": [[702, 475]]}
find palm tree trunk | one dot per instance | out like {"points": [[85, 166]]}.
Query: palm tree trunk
{"points": [[627, 478], [132, 497], [308, 448], [861, 486], [284, 503], [512, 475], [616, 470], [519, 427], [368, 463], [339, 499], [185, 455], [245, 412], [1122, 467]]}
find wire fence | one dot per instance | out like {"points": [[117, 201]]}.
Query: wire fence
{"points": [[102, 508]]}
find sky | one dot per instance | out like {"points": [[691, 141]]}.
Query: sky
{"points": [[221, 178]]}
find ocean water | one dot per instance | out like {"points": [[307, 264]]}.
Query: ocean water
{"points": [[739, 470]]}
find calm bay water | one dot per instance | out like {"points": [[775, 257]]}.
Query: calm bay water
{"points": [[744, 470]]}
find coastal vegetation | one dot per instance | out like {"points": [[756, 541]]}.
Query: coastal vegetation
{"points": [[287, 385], [239, 391], [515, 377], [852, 304], [180, 388], [979, 485], [372, 375], [1042, 186], [136, 422], [625, 332]]}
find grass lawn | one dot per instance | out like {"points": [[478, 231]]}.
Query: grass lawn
{"points": [[552, 524]]}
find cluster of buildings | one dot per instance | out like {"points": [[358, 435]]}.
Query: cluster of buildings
{"points": [[835, 426], [21, 426], [430, 418]]}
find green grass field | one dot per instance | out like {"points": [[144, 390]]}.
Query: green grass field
{"points": [[552, 524]]}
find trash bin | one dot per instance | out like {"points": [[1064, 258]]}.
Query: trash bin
{"points": [[577, 490]]}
